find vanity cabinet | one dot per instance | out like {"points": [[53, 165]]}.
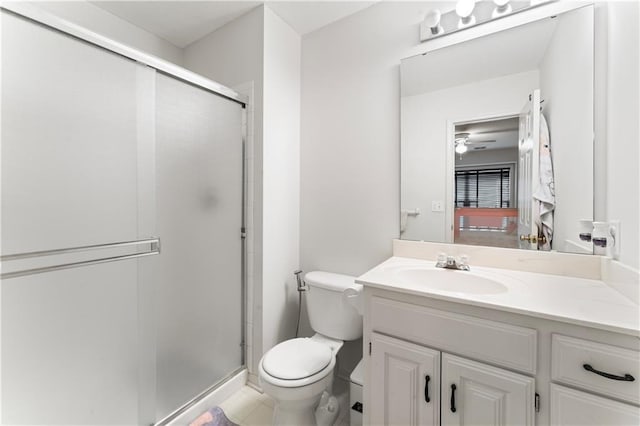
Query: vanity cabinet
{"points": [[436, 362], [414, 385]]}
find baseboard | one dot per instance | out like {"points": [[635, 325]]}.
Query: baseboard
{"points": [[252, 381]]}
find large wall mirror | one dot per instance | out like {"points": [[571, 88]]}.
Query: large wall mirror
{"points": [[497, 138]]}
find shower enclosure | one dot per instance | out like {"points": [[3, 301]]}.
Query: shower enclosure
{"points": [[121, 218]]}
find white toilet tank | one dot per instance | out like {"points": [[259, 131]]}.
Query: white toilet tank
{"points": [[331, 304]]}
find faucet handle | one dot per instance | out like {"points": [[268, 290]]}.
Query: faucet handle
{"points": [[464, 263], [441, 260]]}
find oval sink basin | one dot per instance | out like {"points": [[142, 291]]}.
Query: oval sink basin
{"points": [[451, 280]]}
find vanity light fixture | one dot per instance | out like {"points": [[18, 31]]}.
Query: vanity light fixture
{"points": [[502, 8], [464, 9], [471, 13], [432, 21]]}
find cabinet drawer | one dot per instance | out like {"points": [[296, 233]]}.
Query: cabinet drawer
{"points": [[570, 407], [488, 341], [570, 355]]}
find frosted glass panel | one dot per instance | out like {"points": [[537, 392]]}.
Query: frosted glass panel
{"points": [[69, 353], [199, 202], [69, 178], [68, 141]]}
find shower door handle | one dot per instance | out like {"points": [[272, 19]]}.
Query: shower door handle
{"points": [[154, 248]]}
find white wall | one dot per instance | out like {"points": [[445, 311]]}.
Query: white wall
{"points": [[260, 47], [102, 22], [424, 126], [566, 85], [623, 126], [350, 151], [281, 179]]}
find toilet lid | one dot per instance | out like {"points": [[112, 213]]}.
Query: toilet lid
{"points": [[296, 359]]}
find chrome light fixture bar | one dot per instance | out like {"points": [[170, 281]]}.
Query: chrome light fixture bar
{"points": [[471, 13]]}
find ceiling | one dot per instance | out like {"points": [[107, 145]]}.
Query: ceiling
{"points": [[183, 22], [493, 134]]}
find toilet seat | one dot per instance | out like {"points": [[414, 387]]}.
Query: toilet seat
{"points": [[321, 349], [298, 383], [296, 359]]}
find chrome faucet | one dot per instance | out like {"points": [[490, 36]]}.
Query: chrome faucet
{"points": [[450, 262]]}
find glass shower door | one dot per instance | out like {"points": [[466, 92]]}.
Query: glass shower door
{"points": [[98, 150], [70, 158], [198, 284]]}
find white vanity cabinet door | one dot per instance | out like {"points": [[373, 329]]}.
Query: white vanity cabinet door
{"points": [[571, 407], [405, 383], [478, 394]]}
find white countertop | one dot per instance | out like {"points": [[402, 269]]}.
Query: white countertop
{"points": [[580, 301]]}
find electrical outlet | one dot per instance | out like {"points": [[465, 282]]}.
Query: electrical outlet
{"points": [[437, 206]]}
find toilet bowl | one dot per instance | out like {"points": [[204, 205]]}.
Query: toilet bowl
{"points": [[296, 372]]}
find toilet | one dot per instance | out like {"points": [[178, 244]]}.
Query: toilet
{"points": [[295, 373]]}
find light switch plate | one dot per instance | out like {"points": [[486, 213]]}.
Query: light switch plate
{"points": [[437, 206]]}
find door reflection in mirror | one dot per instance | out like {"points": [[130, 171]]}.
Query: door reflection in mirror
{"points": [[486, 182]]}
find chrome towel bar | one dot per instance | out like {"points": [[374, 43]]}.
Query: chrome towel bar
{"points": [[154, 248]]}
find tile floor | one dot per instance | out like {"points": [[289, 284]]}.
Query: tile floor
{"points": [[248, 407]]}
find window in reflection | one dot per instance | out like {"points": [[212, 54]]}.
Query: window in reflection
{"points": [[486, 183]]}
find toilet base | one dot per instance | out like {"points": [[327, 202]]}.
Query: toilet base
{"points": [[300, 412], [296, 406]]}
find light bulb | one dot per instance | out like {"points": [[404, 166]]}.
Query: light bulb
{"points": [[464, 9], [461, 148], [502, 8], [432, 21]]}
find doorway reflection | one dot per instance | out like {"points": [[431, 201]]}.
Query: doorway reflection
{"points": [[486, 211]]}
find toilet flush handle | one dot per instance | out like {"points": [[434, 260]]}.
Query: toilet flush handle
{"points": [[353, 296]]}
